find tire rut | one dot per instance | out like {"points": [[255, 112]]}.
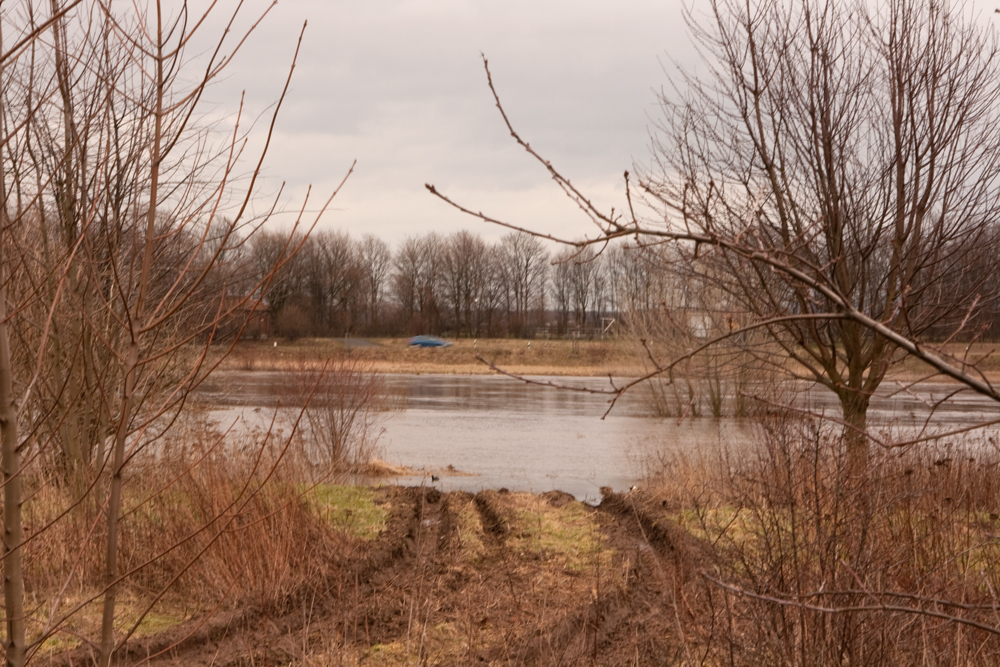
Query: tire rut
{"points": [[386, 588], [418, 577], [654, 557], [495, 522]]}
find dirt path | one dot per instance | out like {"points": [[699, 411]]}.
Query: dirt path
{"points": [[454, 579]]}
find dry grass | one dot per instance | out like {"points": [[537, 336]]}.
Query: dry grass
{"points": [[984, 355], [815, 563], [536, 357], [716, 385], [208, 526]]}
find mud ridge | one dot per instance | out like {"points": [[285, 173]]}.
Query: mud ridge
{"points": [[660, 534]]}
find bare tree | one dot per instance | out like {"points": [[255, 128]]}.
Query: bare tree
{"points": [[525, 266], [580, 286], [562, 287], [465, 269], [601, 298], [375, 260], [416, 281], [335, 278], [860, 145], [492, 293], [115, 252], [10, 460], [280, 288], [583, 275], [835, 167], [637, 283], [17, 103]]}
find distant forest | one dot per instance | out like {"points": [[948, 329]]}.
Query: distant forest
{"points": [[460, 285]]}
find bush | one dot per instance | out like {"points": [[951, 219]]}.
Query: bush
{"points": [[814, 563]]}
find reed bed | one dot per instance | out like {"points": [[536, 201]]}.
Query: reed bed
{"points": [[813, 562]]}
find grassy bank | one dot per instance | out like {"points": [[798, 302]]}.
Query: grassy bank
{"points": [[619, 357], [393, 355]]}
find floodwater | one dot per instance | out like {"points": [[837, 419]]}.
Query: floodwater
{"points": [[495, 431]]}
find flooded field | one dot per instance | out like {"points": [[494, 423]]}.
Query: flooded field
{"points": [[499, 432]]}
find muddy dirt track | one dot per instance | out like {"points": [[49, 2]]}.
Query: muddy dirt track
{"points": [[494, 578]]}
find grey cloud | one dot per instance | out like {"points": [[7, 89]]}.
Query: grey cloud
{"points": [[399, 85]]}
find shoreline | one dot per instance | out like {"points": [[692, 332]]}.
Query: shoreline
{"points": [[561, 358], [540, 357]]}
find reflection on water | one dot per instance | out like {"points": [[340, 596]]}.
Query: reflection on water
{"points": [[532, 438], [506, 433], [538, 451], [495, 393]]}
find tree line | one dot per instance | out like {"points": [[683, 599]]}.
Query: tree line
{"points": [[457, 285], [461, 285]]}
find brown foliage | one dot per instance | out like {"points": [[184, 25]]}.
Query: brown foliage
{"points": [[814, 564]]}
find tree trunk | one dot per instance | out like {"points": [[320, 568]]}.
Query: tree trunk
{"points": [[10, 462], [114, 513], [855, 408], [107, 646], [13, 579]]}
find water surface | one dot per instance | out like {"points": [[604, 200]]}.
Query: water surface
{"points": [[500, 432]]}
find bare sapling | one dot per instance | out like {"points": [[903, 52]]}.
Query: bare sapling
{"points": [[344, 414], [150, 311], [123, 221], [10, 462]]}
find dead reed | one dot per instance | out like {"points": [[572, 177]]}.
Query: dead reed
{"points": [[213, 522], [815, 563]]}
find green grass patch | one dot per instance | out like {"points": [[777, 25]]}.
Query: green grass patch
{"points": [[470, 528], [156, 622], [712, 523], [352, 509], [87, 623], [439, 644], [568, 533]]}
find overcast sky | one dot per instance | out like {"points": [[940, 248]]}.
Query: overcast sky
{"points": [[399, 86]]}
